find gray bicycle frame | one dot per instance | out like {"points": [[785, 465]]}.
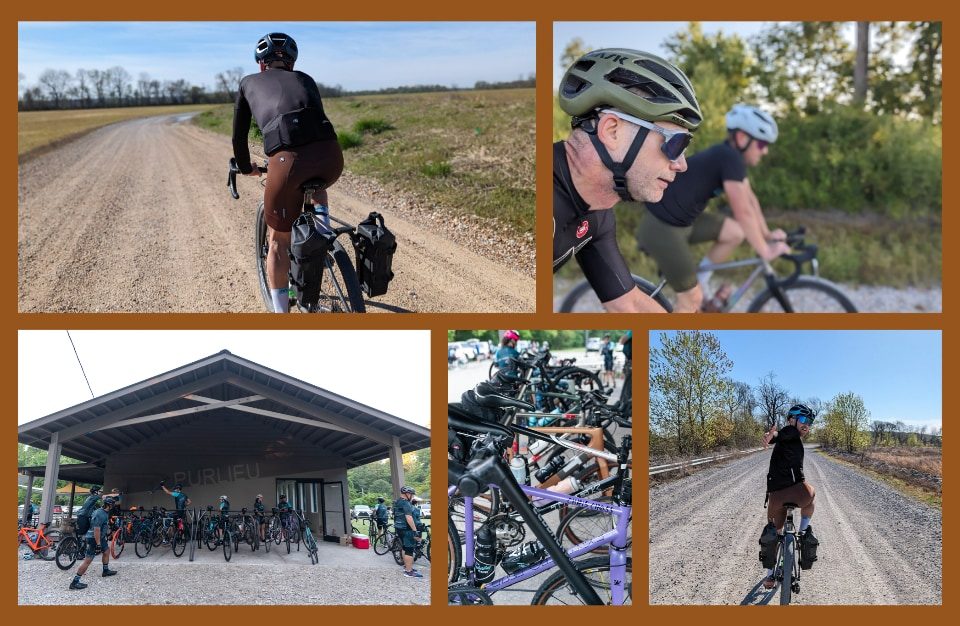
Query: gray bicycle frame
{"points": [[617, 538]]}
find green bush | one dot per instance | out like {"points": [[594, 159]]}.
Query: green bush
{"points": [[436, 169], [348, 139], [374, 126]]}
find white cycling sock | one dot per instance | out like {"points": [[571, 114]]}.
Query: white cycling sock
{"points": [[704, 277], [281, 300], [804, 523]]}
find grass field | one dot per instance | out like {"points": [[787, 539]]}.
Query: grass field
{"points": [[915, 471], [39, 129], [472, 151]]}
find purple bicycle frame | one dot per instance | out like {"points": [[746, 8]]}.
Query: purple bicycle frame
{"points": [[616, 537]]}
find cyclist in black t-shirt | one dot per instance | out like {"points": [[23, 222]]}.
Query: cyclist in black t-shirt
{"points": [[669, 226], [632, 118], [786, 483], [298, 139]]}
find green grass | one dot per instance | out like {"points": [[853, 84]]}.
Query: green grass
{"points": [[485, 138], [348, 140], [41, 129]]}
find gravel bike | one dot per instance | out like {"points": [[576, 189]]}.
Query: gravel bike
{"points": [[787, 570], [797, 293], [37, 541], [341, 290]]}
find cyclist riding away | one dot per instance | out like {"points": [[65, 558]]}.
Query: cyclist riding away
{"points": [[507, 352], [406, 527], [632, 118], [96, 540], [669, 226], [785, 483], [298, 139]]}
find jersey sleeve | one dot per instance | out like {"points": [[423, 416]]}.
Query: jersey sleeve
{"points": [[241, 128], [732, 167], [602, 263]]}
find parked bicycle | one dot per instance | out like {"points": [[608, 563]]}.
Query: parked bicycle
{"points": [[38, 541], [342, 284], [796, 293]]}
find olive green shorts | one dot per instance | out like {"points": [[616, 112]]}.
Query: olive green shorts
{"points": [[669, 246]]}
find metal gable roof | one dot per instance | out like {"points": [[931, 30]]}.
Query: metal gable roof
{"points": [[223, 384]]}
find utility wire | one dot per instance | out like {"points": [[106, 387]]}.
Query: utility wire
{"points": [[80, 364]]}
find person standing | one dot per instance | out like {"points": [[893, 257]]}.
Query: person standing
{"points": [[96, 541]]}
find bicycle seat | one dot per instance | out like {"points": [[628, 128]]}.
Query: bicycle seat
{"points": [[487, 396], [314, 183], [790, 505]]}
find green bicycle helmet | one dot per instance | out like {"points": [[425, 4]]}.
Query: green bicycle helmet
{"points": [[637, 83]]}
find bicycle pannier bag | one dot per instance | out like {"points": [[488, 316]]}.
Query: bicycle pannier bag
{"points": [[292, 129], [309, 243], [374, 245]]}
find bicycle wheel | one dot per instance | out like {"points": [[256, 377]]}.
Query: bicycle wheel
{"points": [[143, 543], [286, 539], [425, 548], [68, 551], [339, 288], [582, 298], [260, 254], [556, 589], [454, 552], [397, 550], [580, 525], [158, 534], [382, 543], [311, 544], [227, 546], [116, 545], [808, 294], [786, 568], [179, 543]]}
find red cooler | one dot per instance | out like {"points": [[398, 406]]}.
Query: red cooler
{"points": [[360, 541]]}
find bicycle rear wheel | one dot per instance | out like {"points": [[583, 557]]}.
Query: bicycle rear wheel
{"points": [[179, 543], [67, 553], [786, 568], [260, 249], [582, 298], [116, 546], [382, 543], [143, 544], [227, 546], [340, 288], [311, 544], [454, 552], [556, 589], [808, 294], [397, 549]]}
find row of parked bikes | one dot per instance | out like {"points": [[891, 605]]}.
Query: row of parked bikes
{"points": [[158, 527], [540, 482]]}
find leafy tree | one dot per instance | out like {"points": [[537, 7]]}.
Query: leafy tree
{"points": [[846, 423]]}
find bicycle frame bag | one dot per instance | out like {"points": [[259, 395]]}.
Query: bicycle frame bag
{"points": [[310, 241], [292, 129], [374, 245]]}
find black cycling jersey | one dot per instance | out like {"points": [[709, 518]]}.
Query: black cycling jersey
{"points": [[786, 462], [268, 95], [687, 196], [591, 236]]}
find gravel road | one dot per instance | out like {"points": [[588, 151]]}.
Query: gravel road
{"points": [[135, 217], [275, 579], [876, 545]]}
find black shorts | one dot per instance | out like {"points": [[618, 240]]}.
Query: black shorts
{"points": [[288, 169], [408, 539], [91, 546]]}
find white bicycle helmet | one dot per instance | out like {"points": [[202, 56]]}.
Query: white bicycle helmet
{"points": [[751, 120]]}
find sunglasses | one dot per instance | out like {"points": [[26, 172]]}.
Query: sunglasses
{"points": [[762, 144], [803, 419], [675, 142]]}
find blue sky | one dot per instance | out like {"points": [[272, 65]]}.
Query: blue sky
{"points": [[648, 36], [897, 373], [355, 55]]}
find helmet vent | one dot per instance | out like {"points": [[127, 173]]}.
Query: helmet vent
{"points": [[583, 65], [574, 85]]}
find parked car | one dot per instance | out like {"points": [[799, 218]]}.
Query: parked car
{"points": [[522, 345], [593, 344], [425, 509], [482, 348], [360, 511]]}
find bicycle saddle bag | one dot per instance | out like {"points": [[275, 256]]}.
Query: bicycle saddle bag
{"points": [[310, 241], [292, 129], [374, 245]]}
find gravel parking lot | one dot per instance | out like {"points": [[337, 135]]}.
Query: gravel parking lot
{"points": [[249, 578]]}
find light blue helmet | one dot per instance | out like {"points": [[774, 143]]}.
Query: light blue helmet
{"points": [[753, 121]]}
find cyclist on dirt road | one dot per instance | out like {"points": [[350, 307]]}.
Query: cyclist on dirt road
{"points": [[669, 226], [786, 483], [632, 118], [298, 139]]}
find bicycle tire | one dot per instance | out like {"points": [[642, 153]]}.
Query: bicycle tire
{"points": [[340, 290], [311, 544], [582, 524], [116, 545], [819, 291], [227, 546], [397, 550], [454, 552], [179, 543], [582, 298], [157, 538], [425, 549], [286, 539], [494, 368], [383, 542], [143, 544], [260, 255], [67, 552], [593, 568], [786, 568]]}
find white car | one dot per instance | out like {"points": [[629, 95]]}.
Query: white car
{"points": [[360, 511], [593, 344], [424, 509]]}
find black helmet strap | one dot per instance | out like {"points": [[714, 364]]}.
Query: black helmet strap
{"points": [[620, 169]]}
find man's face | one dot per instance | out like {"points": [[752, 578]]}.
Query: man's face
{"points": [[754, 153], [803, 428], [652, 172]]}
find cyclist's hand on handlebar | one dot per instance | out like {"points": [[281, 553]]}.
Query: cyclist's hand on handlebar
{"points": [[254, 172], [774, 249], [778, 235]]}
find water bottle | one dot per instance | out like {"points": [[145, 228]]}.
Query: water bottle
{"points": [[322, 211], [519, 469], [531, 421], [528, 554], [539, 446], [567, 485], [551, 468], [485, 555], [33, 537]]}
